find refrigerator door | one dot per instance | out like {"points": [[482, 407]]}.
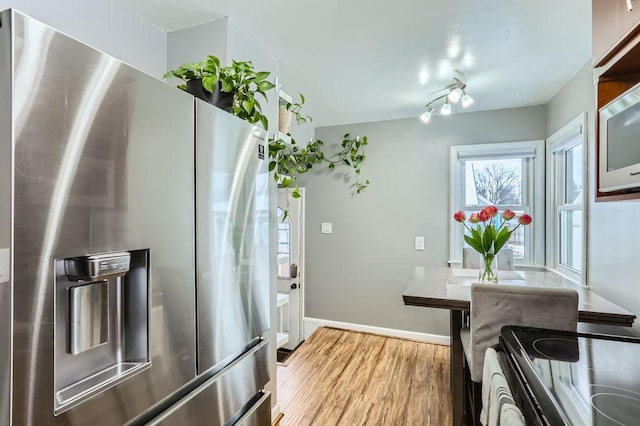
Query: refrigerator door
{"points": [[103, 162], [231, 394], [5, 353], [259, 414], [232, 235], [6, 155]]}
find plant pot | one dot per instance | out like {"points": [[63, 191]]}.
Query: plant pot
{"points": [[222, 100], [284, 120]]}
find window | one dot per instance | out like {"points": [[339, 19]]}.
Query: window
{"points": [[565, 196], [509, 175], [284, 244]]}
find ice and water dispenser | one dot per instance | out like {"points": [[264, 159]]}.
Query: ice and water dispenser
{"points": [[102, 323]]}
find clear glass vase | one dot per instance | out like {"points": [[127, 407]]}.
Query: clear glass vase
{"points": [[488, 268]]}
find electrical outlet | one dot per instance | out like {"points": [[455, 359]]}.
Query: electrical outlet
{"points": [[325, 228]]}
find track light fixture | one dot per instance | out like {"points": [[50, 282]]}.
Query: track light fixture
{"points": [[466, 100], [454, 92], [426, 116], [455, 95], [446, 107]]}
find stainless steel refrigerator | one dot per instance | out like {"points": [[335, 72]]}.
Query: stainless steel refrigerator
{"points": [[134, 271]]}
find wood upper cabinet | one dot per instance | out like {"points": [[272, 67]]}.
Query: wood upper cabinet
{"points": [[616, 59], [613, 25]]}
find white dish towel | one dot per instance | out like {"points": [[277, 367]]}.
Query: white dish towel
{"points": [[498, 407]]}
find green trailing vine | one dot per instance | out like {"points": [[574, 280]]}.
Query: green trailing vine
{"points": [[295, 108], [290, 159], [352, 155], [286, 160], [241, 78]]}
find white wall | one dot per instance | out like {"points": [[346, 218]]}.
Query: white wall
{"points": [[106, 25], [194, 44], [358, 273], [612, 255]]}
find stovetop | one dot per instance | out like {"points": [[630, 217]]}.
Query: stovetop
{"points": [[577, 378]]}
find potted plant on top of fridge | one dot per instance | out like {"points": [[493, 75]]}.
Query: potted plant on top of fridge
{"points": [[289, 109], [231, 88], [241, 78], [202, 81]]}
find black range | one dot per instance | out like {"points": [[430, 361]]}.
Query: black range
{"points": [[573, 378]]}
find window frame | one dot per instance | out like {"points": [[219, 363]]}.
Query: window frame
{"points": [[534, 179], [562, 141]]}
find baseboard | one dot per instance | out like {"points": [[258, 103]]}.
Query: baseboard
{"points": [[276, 414], [312, 324]]}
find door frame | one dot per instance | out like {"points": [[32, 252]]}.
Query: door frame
{"points": [[301, 278]]}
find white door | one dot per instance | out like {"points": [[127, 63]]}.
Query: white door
{"points": [[291, 266]]}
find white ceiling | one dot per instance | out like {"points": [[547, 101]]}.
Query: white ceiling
{"points": [[371, 60]]}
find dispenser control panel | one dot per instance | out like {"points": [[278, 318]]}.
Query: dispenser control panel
{"points": [[97, 266]]}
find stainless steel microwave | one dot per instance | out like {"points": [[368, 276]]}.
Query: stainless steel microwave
{"points": [[619, 153]]}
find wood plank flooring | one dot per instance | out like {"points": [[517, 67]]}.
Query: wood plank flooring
{"points": [[340, 377]]}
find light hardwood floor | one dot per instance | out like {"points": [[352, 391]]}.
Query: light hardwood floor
{"points": [[340, 377]]}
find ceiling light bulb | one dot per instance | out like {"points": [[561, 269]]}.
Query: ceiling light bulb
{"points": [[455, 94], [466, 100], [446, 108], [426, 116]]}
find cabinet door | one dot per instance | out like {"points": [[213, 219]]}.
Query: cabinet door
{"points": [[613, 24]]}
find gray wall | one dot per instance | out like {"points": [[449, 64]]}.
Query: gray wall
{"points": [[357, 274], [106, 25], [612, 258], [576, 97]]}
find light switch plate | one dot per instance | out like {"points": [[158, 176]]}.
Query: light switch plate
{"points": [[418, 243], [326, 228]]}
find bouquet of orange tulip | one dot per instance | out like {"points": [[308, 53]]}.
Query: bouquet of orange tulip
{"points": [[490, 234]]}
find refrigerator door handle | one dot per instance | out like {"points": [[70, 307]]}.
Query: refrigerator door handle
{"points": [[257, 414]]}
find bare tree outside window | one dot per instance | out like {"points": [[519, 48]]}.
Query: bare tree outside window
{"points": [[508, 175], [498, 182]]}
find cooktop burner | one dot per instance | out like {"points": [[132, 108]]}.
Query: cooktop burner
{"points": [[556, 348], [576, 378], [617, 405]]}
